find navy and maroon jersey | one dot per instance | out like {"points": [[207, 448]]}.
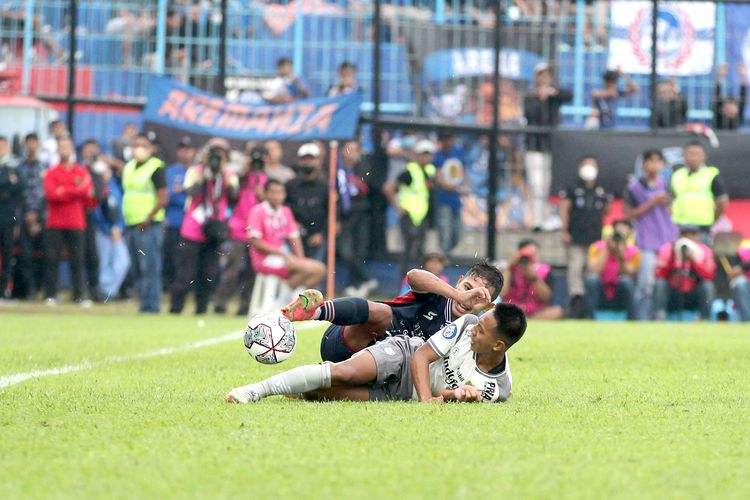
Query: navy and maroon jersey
{"points": [[418, 314]]}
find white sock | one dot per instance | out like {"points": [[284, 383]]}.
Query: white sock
{"points": [[295, 381]]}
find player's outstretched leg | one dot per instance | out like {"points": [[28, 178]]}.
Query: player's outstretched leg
{"points": [[304, 307], [295, 381], [324, 381]]}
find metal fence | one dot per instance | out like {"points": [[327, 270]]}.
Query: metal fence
{"points": [[119, 44]]}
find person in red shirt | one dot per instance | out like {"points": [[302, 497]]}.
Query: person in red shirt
{"points": [[685, 271], [67, 189]]}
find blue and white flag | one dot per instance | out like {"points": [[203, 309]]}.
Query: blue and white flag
{"points": [[738, 37], [685, 37]]}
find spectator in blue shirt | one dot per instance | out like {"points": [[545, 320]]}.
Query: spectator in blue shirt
{"points": [[109, 224], [605, 100], [176, 206], [449, 161]]}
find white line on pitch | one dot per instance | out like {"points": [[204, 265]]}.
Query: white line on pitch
{"points": [[9, 380]]}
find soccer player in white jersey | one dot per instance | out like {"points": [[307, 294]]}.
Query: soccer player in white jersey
{"points": [[465, 361]]}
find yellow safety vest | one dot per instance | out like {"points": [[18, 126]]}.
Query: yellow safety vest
{"points": [[693, 200], [415, 198], [139, 193]]}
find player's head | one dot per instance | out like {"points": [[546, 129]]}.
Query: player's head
{"points": [[498, 331], [480, 274], [653, 162], [275, 192], [694, 153]]}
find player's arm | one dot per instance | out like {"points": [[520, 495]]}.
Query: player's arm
{"points": [[420, 371], [422, 281], [464, 394]]}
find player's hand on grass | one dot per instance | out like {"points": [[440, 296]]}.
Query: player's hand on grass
{"points": [[467, 394], [435, 400]]}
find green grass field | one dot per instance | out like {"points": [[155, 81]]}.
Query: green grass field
{"points": [[599, 410]]}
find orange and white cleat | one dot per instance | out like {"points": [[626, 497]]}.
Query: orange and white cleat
{"points": [[304, 306]]}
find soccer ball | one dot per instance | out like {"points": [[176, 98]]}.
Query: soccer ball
{"points": [[270, 338]]}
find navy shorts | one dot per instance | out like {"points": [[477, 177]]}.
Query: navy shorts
{"points": [[332, 346]]}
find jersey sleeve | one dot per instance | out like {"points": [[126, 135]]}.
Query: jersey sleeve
{"points": [[255, 222], [444, 340]]}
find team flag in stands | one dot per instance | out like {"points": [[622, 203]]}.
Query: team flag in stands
{"points": [[738, 37], [175, 105], [685, 37]]}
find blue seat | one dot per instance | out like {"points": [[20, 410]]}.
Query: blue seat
{"points": [[609, 315]]}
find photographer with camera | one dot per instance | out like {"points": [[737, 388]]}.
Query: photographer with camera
{"points": [[526, 283], [612, 265], [685, 270], [212, 189], [252, 179]]}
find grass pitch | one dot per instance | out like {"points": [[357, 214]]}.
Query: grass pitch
{"points": [[598, 410]]}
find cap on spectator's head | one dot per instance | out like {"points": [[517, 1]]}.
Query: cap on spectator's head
{"points": [[689, 229], [424, 146], [218, 142], [540, 67], [309, 149], [185, 142]]}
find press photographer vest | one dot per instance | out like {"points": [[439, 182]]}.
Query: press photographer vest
{"points": [[139, 196], [693, 200], [415, 197]]}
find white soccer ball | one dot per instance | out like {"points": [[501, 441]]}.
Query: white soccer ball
{"points": [[270, 338]]}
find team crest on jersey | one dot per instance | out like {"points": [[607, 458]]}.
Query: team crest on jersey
{"points": [[450, 331]]}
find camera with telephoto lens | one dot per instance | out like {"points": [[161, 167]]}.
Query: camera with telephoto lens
{"points": [[214, 160], [618, 238], [524, 260], [257, 163], [745, 266]]}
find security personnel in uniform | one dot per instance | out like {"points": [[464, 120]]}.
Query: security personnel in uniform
{"points": [[411, 194], [700, 195], [144, 183]]}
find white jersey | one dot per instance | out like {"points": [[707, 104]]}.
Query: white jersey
{"points": [[457, 365]]}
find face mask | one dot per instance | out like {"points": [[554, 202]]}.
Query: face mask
{"points": [[308, 170], [140, 153], [409, 141], [588, 173], [99, 167]]}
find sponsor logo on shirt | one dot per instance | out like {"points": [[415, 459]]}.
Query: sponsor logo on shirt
{"points": [[430, 316]]}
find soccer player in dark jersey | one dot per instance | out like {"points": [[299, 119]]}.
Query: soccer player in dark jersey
{"points": [[432, 304]]}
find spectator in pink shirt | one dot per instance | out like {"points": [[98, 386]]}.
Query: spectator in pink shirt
{"points": [[613, 264], [271, 228], [252, 180], [527, 283]]}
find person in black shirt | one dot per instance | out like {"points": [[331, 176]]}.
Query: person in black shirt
{"points": [[30, 263], [582, 209], [11, 190], [729, 112], [671, 105], [307, 196], [541, 107]]}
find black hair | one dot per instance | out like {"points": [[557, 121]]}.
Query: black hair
{"points": [[611, 76], [587, 157], [650, 153], [88, 142], [695, 142], [489, 273], [53, 123], [31, 136], [143, 135], [623, 221], [347, 65], [3, 138], [526, 242], [271, 182], [282, 61], [511, 323]]}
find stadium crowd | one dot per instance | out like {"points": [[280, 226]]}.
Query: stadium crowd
{"points": [[216, 217]]}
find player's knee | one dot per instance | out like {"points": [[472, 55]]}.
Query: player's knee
{"points": [[380, 314], [342, 374]]}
